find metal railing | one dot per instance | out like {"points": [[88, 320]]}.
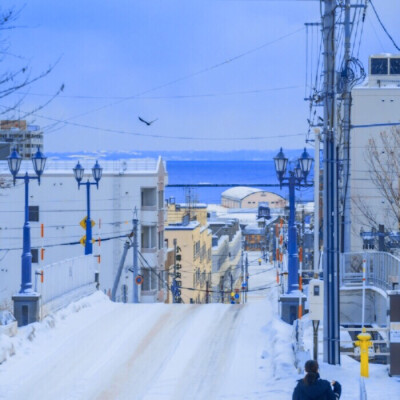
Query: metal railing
{"points": [[129, 165], [65, 281], [382, 269]]}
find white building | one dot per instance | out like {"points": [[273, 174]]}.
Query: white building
{"points": [[376, 101], [60, 207], [17, 133]]}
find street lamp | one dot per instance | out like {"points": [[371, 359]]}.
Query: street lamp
{"points": [[14, 164], [26, 301], [97, 173], [294, 179]]}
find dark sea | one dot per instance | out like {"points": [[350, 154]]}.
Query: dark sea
{"points": [[246, 173]]}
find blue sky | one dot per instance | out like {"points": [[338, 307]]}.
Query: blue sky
{"points": [[110, 50]]}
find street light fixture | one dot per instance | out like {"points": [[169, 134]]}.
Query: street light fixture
{"points": [[280, 165], [305, 162], [26, 302], [97, 173], [294, 179]]}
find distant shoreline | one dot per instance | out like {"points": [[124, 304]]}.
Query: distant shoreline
{"points": [[243, 155]]}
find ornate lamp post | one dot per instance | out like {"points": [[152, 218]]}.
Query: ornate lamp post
{"points": [[78, 173], [26, 301], [295, 179]]}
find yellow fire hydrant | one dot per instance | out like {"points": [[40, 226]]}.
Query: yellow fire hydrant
{"points": [[364, 343]]}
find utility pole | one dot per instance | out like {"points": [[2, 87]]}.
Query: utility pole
{"points": [[330, 202], [246, 277], [316, 204], [136, 271], [174, 280], [346, 228]]}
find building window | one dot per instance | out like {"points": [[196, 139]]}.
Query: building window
{"points": [[148, 196], [150, 279], [34, 213], [379, 66], [149, 237], [160, 199], [395, 66], [35, 256]]}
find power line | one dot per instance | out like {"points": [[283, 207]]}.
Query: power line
{"points": [[187, 96], [383, 26], [183, 78]]}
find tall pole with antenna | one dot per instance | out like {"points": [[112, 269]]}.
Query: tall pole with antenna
{"points": [[330, 203], [346, 231]]}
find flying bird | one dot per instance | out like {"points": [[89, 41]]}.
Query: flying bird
{"points": [[147, 122]]}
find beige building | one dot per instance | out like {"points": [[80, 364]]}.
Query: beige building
{"points": [[194, 242], [247, 197], [195, 212]]}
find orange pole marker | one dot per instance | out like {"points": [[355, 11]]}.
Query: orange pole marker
{"points": [[42, 254], [41, 230], [41, 277]]}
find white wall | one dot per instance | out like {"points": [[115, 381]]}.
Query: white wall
{"points": [[371, 105], [63, 206]]}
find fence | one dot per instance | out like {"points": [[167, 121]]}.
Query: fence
{"points": [[65, 281], [382, 269]]}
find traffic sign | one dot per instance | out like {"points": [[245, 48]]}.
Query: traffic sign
{"points": [[82, 241], [139, 280], [237, 295], [83, 223]]}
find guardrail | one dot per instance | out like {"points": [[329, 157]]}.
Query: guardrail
{"points": [[65, 281], [382, 269]]}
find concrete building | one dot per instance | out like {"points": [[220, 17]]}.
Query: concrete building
{"points": [[246, 197], [194, 241], [376, 101], [60, 207], [26, 138]]}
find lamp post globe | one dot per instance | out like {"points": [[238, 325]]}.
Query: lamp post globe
{"points": [[39, 162], [305, 162], [280, 164], [97, 172], [14, 162], [298, 173], [78, 172]]}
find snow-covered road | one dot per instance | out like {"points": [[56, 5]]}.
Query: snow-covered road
{"points": [[96, 349]]}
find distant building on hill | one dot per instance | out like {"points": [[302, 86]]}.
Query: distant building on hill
{"points": [[247, 197], [17, 133]]}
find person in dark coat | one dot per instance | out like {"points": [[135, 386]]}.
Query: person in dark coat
{"points": [[312, 387]]}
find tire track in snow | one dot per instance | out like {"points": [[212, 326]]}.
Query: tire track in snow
{"points": [[136, 376], [208, 362]]}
